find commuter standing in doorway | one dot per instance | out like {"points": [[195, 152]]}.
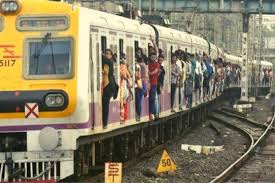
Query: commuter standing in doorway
{"points": [[110, 88]]}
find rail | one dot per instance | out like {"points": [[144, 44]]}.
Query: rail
{"points": [[225, 174]]}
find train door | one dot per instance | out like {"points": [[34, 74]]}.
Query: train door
{"points": [[130, 58], [114, 109], [165, 96], [91, 89], [171, 48], [95, 77]]}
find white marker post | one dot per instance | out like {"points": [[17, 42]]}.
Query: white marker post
{"points": [[244, 80]]}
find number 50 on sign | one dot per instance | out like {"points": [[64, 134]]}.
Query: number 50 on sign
{"points": [[166, 164]]}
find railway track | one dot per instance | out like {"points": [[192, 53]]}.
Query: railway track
{"points": [[130, 163], [248, 168]]}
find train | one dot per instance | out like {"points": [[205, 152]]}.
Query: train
{"points": [[51, 65]]}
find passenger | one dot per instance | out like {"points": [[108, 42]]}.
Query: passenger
{"points": [[227, 74], [153, 49], [188, 92], [160, 85], [265, 77], [270, 74], [233, 75], [125, 93], [198, 78], [138, 89], [175, 74], [220, 73], [207, 74], [183, 79], [179, 63], [110, 88], [238, 73], [211, 71], [222, 77], [141, 91], [153, 76], [262, 76], [139, 53]]}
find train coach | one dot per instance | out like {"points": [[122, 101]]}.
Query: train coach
{"points": [[51, 69]]}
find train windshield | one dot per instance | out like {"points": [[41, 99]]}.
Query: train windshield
{"points": [[49, 58]]}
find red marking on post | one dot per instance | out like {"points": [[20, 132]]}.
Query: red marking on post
{"points": [[31, 110]]}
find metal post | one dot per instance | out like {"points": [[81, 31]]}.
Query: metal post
{"points": [[252, 83], [260, 39], [131, 9], [155, 7], [150, 7], [244, 80], [93, 154], [221, 4]]}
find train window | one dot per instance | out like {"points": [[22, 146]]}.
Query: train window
{"points": [[136, 46], [121, 46], [103, 44], [171, 50], [30, 23], [1, 23], [48, 58]]}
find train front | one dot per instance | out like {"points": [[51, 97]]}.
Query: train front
{"points": [[38, 89]]}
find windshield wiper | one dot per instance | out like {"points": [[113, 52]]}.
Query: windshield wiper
{"points": [[38, 52]]}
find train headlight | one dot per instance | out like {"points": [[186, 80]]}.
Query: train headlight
{"points": [[9, 6], [54, 100]]}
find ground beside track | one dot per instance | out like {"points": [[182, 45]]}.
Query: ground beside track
{"points": [[262, 109], [192, 167]]}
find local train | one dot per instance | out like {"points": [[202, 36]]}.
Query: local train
{"points": [[51, 65]]}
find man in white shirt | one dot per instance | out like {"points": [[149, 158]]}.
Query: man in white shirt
{"points": [[198, 80], [175, 73], [179, 64]]}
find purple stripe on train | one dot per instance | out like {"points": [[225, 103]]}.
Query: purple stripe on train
{"points": [[114, 116]]}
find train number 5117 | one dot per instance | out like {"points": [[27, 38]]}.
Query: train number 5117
{"points": [[7, 63]]}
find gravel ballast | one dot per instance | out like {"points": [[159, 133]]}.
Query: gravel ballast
{"points": [[192, 167]]}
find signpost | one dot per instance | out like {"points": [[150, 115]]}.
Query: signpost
{"points": [[166, 164], [113, 172]]}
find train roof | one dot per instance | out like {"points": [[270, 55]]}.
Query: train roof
{"points": [[266, 63], [263, 63], [176, 35], [232, 58], [198, 40], [117, 22]]}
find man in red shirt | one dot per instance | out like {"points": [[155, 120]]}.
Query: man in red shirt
{"points": [[153, 76]]}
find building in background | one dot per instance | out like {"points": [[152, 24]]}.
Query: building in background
{"points": [[224, 30]]}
